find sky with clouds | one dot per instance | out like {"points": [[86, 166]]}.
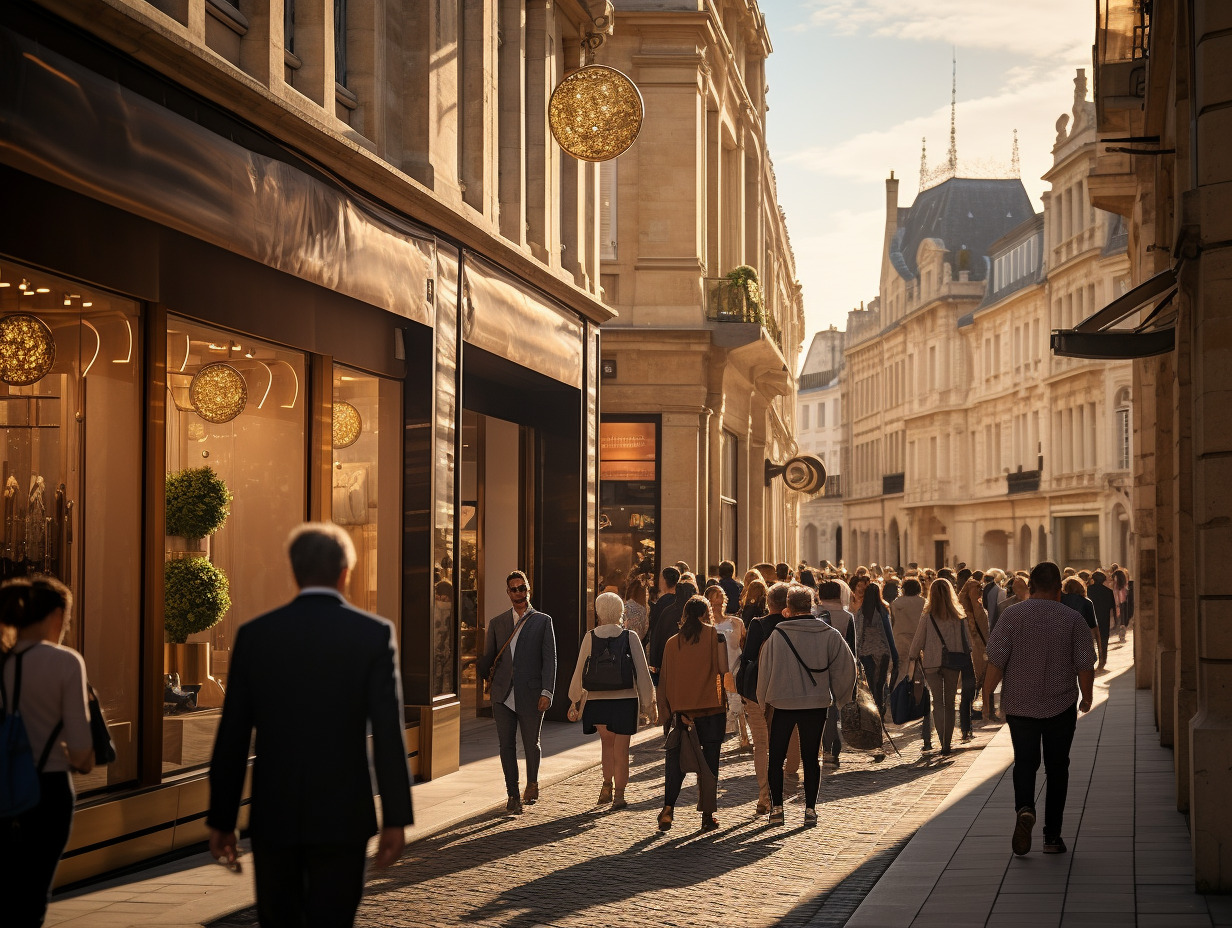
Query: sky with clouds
{"points": [[855, 84]]}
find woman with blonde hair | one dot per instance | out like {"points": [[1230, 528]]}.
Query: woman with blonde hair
{"points": [[613, 710], [752, 601], [943, 648], [637, 612], [732, 628]]}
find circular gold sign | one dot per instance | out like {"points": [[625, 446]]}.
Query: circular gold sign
{"points": [[27, 349], [218, 392], [595, 113], [347, 425]]}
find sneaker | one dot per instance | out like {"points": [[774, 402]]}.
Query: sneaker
{"points": [[776, 815], [1021, 842], [514, 805], [1054, 845], [810, 818]]}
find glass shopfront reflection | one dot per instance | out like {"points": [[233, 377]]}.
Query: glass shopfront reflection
{"points": [[70, 464], [628, 502]]}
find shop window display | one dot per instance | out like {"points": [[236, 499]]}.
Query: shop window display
{"points": [[236, 419], [70, 466], [628, 502]]}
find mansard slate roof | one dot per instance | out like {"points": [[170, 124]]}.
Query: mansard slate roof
{"points": [[964, 214], [1033, 227]]}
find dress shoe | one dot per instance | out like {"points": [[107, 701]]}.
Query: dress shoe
{"points": [[514, 805], [709, 822], [665, 818], [530, 795]]}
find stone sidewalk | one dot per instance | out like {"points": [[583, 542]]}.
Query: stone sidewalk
{"points": [[1129, 860]]}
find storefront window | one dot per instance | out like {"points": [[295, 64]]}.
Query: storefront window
{"points": [[628, 502], [70, 453], [366, 492], [1078, 542], [235, 406]]}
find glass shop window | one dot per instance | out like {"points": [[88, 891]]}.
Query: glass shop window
{"points": [[628, 503], [366, 498], [70, 464], [236, 486]]}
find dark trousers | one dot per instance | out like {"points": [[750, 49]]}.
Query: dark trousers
{"points": [[811, 723], [30, 849], [1056, 734], [876, 670], [969, 688], [1103, 626], [832, 733], [508, 723], [711, 729], [308, 885]]}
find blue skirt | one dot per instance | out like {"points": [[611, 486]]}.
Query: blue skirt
{"points": [[619, 715]]}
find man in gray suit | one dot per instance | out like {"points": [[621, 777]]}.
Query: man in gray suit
{"points": [[520, 654]]}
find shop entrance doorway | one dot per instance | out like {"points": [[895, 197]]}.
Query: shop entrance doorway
{"points": [[492, 508]]}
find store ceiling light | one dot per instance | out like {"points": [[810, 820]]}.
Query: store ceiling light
{"points": [[218, 392], [595, 113], [347, 425], [27, 349]]}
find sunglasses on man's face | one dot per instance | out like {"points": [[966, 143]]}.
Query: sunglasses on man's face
{"points": [[517, 589]]}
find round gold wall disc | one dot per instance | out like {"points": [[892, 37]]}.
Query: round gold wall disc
{"points": [[347, 425], [218, 392], [595, 113], [27, 349]]}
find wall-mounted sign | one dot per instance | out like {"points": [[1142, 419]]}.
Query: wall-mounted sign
{"points": [[626, 441]]}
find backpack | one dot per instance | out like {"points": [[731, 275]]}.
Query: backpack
{"points": [[19, 775], [609, 667]]}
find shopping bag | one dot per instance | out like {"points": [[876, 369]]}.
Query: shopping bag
{"points": [[909, 700], [860, 719]]}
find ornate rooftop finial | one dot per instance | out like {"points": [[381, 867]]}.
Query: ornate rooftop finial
{"points": [[953, 158], [1015, 167], [923, 162]]}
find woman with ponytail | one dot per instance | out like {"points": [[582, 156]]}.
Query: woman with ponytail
{"points": [[46, 683]]}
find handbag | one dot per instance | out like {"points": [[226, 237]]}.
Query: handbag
{"points": [[909, 700], [950, 660], [611, 668], [746, 676], [860, 719], [104, 747]]}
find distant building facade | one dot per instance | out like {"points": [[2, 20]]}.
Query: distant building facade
{"points": [[968, 441], [819, 430], [698, 388]]}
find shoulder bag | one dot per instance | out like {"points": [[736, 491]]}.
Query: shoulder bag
{"points": [[746, 676], [504, 648], [950, 660], [807, 669], [104, 748]]}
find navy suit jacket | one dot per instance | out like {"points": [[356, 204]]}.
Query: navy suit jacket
{"points": [[533, 668], [311, 678]]}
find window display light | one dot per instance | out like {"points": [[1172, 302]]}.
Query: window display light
{"points": [[27, 349], [218, 392]]}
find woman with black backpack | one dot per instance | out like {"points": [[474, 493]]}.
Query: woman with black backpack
{"points": [[44, 686], [611, 684]]}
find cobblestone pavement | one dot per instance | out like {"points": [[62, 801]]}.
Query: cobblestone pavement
{"points": [[566, 862]]}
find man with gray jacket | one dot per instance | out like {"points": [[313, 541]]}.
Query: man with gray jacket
{"points": [[804, 667], [520, 655]]}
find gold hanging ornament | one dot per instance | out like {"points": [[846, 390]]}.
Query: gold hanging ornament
{"points": [[27, 349], [595, 113], [347, 425], [218, 393]]}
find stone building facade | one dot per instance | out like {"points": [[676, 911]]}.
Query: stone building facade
{"points": [[1163, 99], [351, 214], [697, 372], [968, 441], [820, 430]]}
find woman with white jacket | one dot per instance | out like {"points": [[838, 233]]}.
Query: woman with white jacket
{"points": [[804, 667], [611, 712]]}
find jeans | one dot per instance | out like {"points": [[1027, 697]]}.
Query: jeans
{"points": [[308, 885], [761, 749], [876, 669], [30, 849], [810, 723], [942, 688], [1056, 734], [969, 688], [711, 729], [508, 723]]}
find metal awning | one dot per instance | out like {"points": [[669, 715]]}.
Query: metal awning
{"points": [[1095, 338]]}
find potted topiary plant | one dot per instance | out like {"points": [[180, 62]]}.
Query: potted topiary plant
{"points": [[195, 593], [744, 293]]}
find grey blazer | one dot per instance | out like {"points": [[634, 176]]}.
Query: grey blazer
{"points": [[532, 672]]}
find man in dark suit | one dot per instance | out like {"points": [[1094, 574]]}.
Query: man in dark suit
{"points": [[520, 653], [668, 579], [1105, 605], [312, 807]]}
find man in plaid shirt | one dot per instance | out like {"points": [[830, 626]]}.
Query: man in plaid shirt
{"points": [[1042, 655]]}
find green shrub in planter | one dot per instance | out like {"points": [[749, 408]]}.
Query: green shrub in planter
{"points": [[196, 595], [198, 502]]}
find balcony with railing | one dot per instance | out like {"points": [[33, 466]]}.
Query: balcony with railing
{"points": [[1122, 45], [737, 302], [834, 486], [1023, 481], [892, 483]]}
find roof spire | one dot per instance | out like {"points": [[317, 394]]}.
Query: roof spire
{"points": [[953, 157], [923, 162], [1015, 167]]}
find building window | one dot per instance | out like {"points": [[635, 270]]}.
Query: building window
{"points": [[607, 210], [1123, 443], [628, 500], [340, 42], [729, 453], [804, 417], [821, 415]]}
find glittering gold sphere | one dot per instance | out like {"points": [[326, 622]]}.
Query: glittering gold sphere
{"points": [[595, 113], [27, 349], [347, 425], [218, 392]]}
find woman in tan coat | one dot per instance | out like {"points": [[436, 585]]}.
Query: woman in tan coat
{"points": [[691, 698]]}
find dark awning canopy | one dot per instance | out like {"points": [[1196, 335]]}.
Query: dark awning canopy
{"points": [[1095, 338]]}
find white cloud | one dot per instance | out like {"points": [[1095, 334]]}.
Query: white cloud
{"points": [[841, 265], [1043, 29]]}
